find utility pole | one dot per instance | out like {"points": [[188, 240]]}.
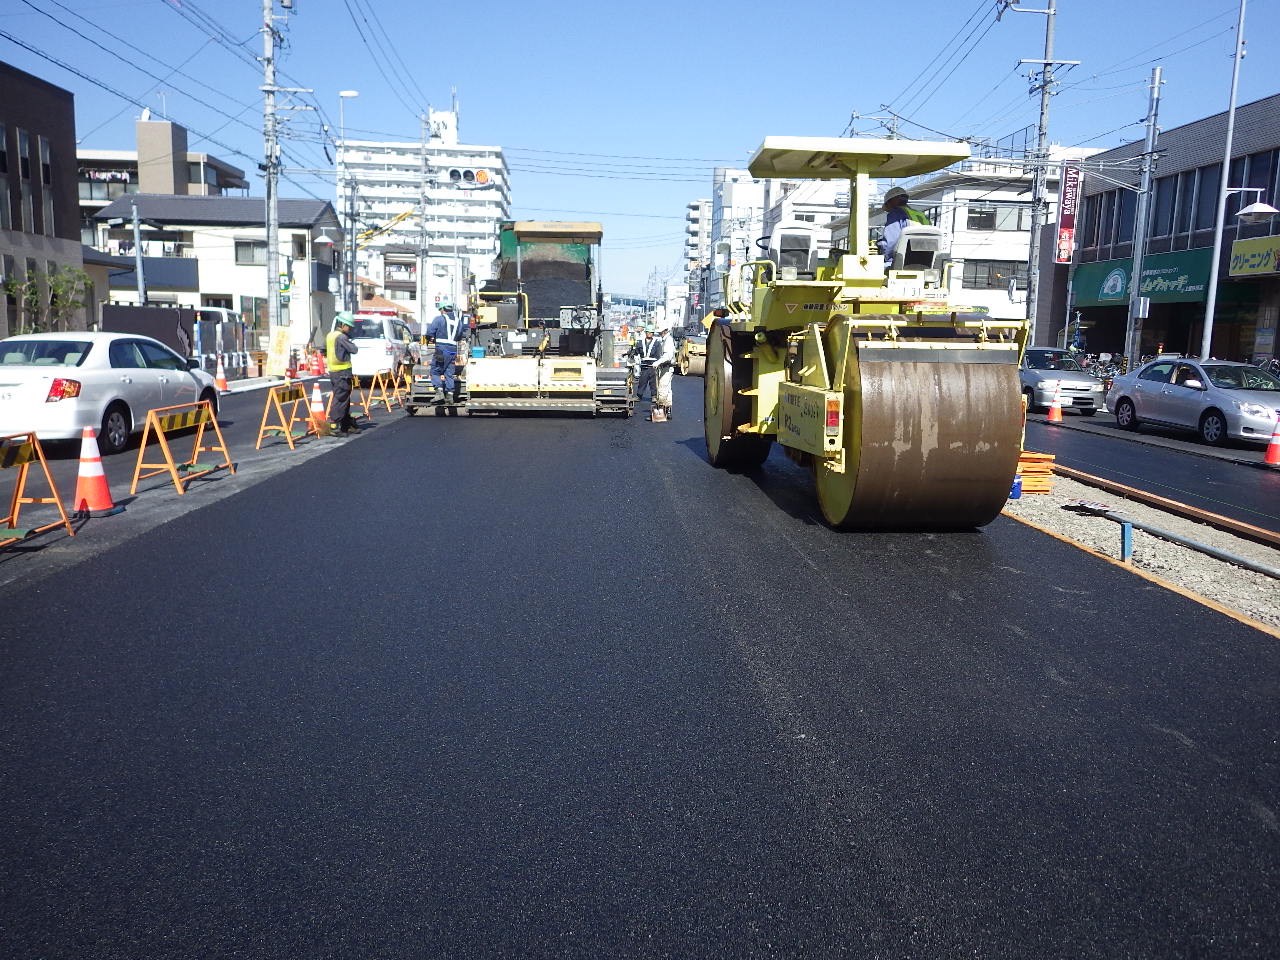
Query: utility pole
{"points": [[137, 254], [422, 231], [271, 164], [1040, 172], [1137, 302], [1224, 189], [352, 299]]}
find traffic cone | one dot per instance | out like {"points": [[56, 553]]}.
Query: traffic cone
{"points": [[1055, 408], [220, 378], [320, 370], [1273, 448], [319, 418], [291, 367], [93, 497]]}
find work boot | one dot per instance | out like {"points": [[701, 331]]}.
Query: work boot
{"points": [[439, 397]]}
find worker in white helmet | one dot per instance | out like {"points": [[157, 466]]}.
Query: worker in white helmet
{"points": [[665, 370], [897, 212]]}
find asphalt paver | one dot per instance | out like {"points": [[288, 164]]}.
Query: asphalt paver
{"points": [[536, 687]]}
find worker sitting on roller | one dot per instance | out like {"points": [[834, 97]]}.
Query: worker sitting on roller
{"points": [[896, 214], [448, 334], [338, 349]]}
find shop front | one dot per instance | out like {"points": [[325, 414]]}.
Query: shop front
{"points": [[1255, 265]]}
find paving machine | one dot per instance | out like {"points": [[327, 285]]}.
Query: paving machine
{"points": [[538, 343], [905, 407]]}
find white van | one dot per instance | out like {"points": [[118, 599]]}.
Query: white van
{"points": [[381, 340]]}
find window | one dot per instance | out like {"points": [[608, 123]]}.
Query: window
{"points": [[6, 218], [1162, 211], [1184, 208], [46, 163], [158, 358], [4, 149], [805, 217], [125, 354], [251, 253], [24, 154], [26, 213], [994, 274], [1262, 169], [1106, 218], [46, 210], [1235, 179], [1089, 222], [998, 216], [1128, 201], [1210, 183], [299, 246], [1158, 372]]}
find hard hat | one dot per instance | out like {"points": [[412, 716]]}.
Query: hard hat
{"points": [[894, 193], [344, 317], [648, 328], [446, 304]]}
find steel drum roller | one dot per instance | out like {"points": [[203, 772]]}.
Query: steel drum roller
{"points": [[929, 443]]}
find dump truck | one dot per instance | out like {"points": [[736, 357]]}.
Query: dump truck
{"points": [[905, 406], [537, 344]]}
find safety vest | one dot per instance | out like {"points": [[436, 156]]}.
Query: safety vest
{"points": [[331, 352], [916, 215], [646, 350]]}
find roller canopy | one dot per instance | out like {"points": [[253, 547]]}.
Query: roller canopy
{"points": [[548, 231], [839, 158]]}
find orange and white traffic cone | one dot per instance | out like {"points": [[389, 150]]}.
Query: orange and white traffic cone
{"points": [[320, 368], [220, 378], [1055, 408], [1273, 448], [319, 414], [93, 496]]}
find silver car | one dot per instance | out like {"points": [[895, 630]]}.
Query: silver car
{"points": [[1046, 371], [1215, 398]]}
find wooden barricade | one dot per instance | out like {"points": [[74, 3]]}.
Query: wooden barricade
{"points": [[160, 422], [382, 382], [293, 394], [1037, 472], [21, 450]]}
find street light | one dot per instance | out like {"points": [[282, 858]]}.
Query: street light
{"points": [[349, 267]]}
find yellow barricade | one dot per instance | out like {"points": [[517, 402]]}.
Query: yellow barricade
{"points": [[378, 391], [277, 397], [21, 450], [161, 421]]}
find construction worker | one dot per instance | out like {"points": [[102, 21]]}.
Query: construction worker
{"points": [[338, 349], [665, 370], [645, 354], [448, 333], [896, 214]]}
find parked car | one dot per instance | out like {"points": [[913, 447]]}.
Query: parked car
{"points": [[1045, 368], [1216, 398], [56, 384], [382, 342]]}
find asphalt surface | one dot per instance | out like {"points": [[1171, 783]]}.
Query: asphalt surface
{"points": [[535, 687], [1220, 484]]}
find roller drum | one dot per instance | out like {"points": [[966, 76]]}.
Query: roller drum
{"points": [[928, 445]]}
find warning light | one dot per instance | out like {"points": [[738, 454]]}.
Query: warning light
{"points": [[833, 415]]}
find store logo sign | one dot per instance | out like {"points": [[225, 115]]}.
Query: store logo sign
{"points": [[1113, 285]]}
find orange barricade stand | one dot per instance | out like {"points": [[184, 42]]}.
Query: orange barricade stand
{"points": [[21, 450], [286, 393], [359, 399], [160, 422], [382, 382]]}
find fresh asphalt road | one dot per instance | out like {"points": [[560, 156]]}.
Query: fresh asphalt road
{"points": [[534, 687], [1237, 490]]}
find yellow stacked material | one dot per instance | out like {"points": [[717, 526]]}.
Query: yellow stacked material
{"points": [[1037, 472]]}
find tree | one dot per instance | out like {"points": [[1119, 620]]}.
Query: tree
{"points": [[67, 289], [26, 291]]}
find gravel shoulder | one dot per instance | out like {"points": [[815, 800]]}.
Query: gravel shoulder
{"points": [[1252, 594]]}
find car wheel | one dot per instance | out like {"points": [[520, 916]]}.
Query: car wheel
{"points": [[212, 397], [1031, 401], [1213, 428], [1126, 416], [116, 427]]}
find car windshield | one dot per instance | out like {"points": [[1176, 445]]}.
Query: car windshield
{"points": [[45, 353], [1241, 377], [1051, 360], [367, 329]]}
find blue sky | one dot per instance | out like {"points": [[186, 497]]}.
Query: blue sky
{"points": [[618, 111]]}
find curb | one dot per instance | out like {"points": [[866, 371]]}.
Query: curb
{"points": [[1165, 443]]}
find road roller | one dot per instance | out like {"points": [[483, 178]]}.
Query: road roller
{"points": [[905, 406]]}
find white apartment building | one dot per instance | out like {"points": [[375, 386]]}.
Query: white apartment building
{"points": [[737, 220], [450, 197], [804, 201], [697, 248]]}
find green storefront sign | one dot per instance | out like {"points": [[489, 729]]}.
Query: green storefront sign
{"points": [[1178, 277]]}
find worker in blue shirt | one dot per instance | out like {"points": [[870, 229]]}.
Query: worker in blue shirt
{"points": [[448, 333], [896, 214]]}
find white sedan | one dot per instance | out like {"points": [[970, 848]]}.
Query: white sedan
{"points": [[56, 384]]}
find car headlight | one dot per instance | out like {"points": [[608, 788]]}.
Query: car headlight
{"points": [[1097, 388], [1254, 410]]}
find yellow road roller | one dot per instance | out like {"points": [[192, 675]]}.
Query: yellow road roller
{"points": [[905, 407]]}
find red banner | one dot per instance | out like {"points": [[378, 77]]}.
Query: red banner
{"points": [[1068, 204]]}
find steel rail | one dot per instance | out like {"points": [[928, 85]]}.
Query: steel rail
{"points": [[1238, 527]]}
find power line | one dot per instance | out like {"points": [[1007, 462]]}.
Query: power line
{"points": [[377, 60], [391, 45]]}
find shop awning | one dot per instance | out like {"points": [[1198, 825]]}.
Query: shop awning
{"points": [[1178, 277]]}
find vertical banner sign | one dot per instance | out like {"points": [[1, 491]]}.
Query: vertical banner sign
{"points": [[1068, 204]]}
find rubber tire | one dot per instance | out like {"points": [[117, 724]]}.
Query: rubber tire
{"points": [[683, 367], [1214, 438], [212, 397], [1031, 402], [115, 433], [723, 409], [411, 410], [1126, 414]]}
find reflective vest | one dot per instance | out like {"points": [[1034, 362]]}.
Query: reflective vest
{"points": [[916, 216], [331, 352]]}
